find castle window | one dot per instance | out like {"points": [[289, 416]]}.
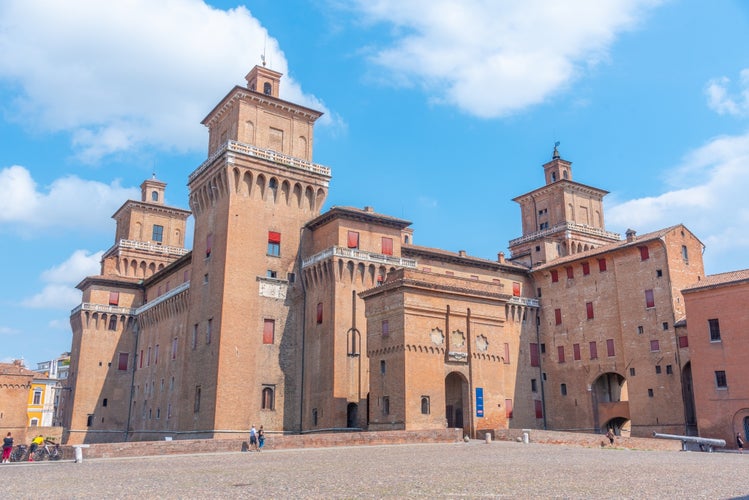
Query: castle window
{"points": [[104, 402], [158, 233], [114, 298], [720, 379], [570, 272], [195, 336], [386, 405], [683, 341], [319, 313], [314, 417], [640, 329], [387, 246], [560, 353], [563, 389], [269, 331], [274, 244], [576, 352], [208, 244], [554, 276], [353, 342], [610, 348], [658, 273], [122, 361], [655, 345], [644, 253], [140, 364], [586, 269], [657, 369], [685, 253], [508, 408], [148, 359], [650, 393], [515, 289], [539, 408], [665, 325], [534, 385], [669, 370], [632, 372], [156, 355], [270, 273], [174, 348], [113, 322], [714, 326], [267, 88], [589, 309], [208, 331], [425, 405], [196, 406], [534, 354], [593, 350], [507, 354], [154, 196], [385, 328], [543, 225], [601, 265], [383, 367], [649, 299], [557, 316], [352, 241], [268, 401], [90, 420]]}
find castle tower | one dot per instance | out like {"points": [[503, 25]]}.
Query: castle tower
{"points": [[251, 199], [561, 218], [149, 236]]}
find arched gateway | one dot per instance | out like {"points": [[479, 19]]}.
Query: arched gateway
{"points": [[456, 400]]}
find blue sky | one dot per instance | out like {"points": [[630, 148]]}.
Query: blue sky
{"points": [[435, 111]]}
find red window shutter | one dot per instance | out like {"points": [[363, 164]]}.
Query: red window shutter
{"points": [[387, 246], [140, 364], [586, 269], [570, 272], [269, 327], [610, 347], [560, 353], [353, 239], [507, 353], [539, 409], [554, 275], [576, 351], [122, 361], [593, 350], [655, 345], [589, 309], [557, 316], [683, 341], [274, 237], [649, 299], [508, 408], [208, 244], [516, 289], [534, 354], [644, 253], [602, 265], [319, 313], [385, 328], [114, 298]]}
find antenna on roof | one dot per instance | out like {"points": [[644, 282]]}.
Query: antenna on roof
{"points": [[262, 56]]}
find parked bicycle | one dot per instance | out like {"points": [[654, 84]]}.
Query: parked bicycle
{"points": [[18, 453], [50, 451]]}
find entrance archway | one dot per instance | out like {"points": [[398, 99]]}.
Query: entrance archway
{"points": [[352, 415], [456, 397], [620, 426], [690, 414], [610, 400]]}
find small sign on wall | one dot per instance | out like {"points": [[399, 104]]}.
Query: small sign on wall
{"points": [[479, 402]]}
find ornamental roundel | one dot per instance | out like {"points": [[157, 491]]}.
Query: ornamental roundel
{"points": [[438, 338], [482, 344], [457, 339]]}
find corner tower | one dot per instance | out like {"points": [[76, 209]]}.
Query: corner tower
{"points": [[561, 218], [251, 199]]}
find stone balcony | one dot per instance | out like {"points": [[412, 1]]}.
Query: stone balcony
{"points": [[353, 253], [566, 226]]}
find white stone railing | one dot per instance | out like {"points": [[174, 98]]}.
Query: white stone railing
{"points": [[149, 247], [265, 154], [353, 253], [580, 228], [524, 301], [87, 306], [161, 298]]}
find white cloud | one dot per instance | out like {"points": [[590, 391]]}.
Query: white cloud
{"points": [[60, 291], [720, 100], [119, 76], [54, 296], [495, 58], [69, 202], [708, 197], [6, 330]]}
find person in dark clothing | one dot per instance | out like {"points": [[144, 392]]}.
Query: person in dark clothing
{"points": [[7, 447], [739, 442]]}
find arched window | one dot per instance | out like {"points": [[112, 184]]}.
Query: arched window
{"points": [[267, 88], [425, 405], [34, 422], [268, 399], [154, 196], [113, 322]]}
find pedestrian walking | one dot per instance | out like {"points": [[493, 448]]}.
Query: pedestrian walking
{"points": [[260, 438], [739, 442], [7, 448], [610, 435], [253, 438]]}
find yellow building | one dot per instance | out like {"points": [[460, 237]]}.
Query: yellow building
{"points": [[41, 407]]}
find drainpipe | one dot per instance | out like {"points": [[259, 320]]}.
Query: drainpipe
{"points": [[136, 332], [471, 424], [540, 368], [304, 327]]}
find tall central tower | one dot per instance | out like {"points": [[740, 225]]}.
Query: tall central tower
{"points": [[250, 200]]}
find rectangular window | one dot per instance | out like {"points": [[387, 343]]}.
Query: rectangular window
{"points": [[140, 364], [386, 405], [353, 239], [586, 268], [156, 355], [649, 299], [650, 393], [593, 350], [631, 372], [557, 316], [534, 354], [385, 328], [669, 370], [685, 253], [208, 244], [196, 407], [148, 359], [601, 265], [174, 348], [570, 272], [319, 313], [655, 345], [589, 309], [507, 353], [657, 369], [714, 326], [269, 331], [122, 361], [560, 353], [534, 385], [158, 233], [644, 253], [640, 330], [508, 408], [114, 298], [554, 275], [539, 408], [515, 289], [720, 379], [270, 273], [208, 331], [563, 389], [665, 325], [274, 244], [683, 341], [195, 336], [610, 347], [576, 351], [387, 246]]}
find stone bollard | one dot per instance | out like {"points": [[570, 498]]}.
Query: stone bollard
{"points": [[79, 452], [526, 436], [488, 437]]}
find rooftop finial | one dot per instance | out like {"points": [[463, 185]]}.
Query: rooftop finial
{"points": [[262, 56], [555, 155]]}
